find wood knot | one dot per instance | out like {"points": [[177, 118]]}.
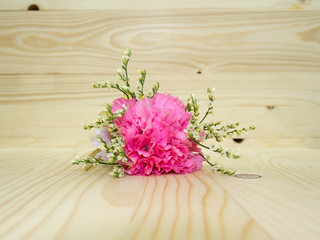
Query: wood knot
{"points": [[270, 107], [238, 140], [33, 7], [247, 176], [199, 72]]}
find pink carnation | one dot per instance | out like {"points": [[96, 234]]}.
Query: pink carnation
{"points": [[155, 141]]}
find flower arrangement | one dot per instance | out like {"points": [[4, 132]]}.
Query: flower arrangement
{"points": [[155, 133]]}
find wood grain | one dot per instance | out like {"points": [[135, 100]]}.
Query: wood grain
{"points": [[173, 41], [263, 89], [165, 4], [309, 143], [47, 111], [263, 57], [43, 196], [286, 200], [189, 207]]}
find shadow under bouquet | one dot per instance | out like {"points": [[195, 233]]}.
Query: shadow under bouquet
{"points": [[155, 133]]}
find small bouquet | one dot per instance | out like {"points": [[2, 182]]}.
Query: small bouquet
{"points": [[155, 133]]}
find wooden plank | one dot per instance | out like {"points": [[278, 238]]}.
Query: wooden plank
{"points": [[285, 201], [47, 111], [232, 89], [165, 4], [189, 206], [263, 142], [173, 41], [58, 124], [44, 198]]}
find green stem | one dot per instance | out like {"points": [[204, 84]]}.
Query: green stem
{"points": [[199, 143], [94, 153], [205, 115], [232, 131], [204, 158], [107, 163], [132, 95], [125, 94], [210, 163], [127, 80], [122, 91], [142, 89]]}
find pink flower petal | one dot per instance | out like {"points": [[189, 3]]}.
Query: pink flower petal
{"points": [[155, 141]]}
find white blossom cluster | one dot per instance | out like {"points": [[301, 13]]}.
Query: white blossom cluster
{"points": [[123, 76], [86, 162], [113, 149], [198, 131], [117, 171]]}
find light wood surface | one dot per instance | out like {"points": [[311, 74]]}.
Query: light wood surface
{"points": [[164, 4], [261, 56], [53, 107], [284, 107], [43, 195], [90, 42], [287, 197]]}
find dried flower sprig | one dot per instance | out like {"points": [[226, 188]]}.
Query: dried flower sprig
{"points": [[199, 130], [115, 149], [90, 160], [123, 75], [140, 85]]}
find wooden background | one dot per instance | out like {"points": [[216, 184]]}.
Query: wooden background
{"points": [[264, 66], [263, 58]]}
